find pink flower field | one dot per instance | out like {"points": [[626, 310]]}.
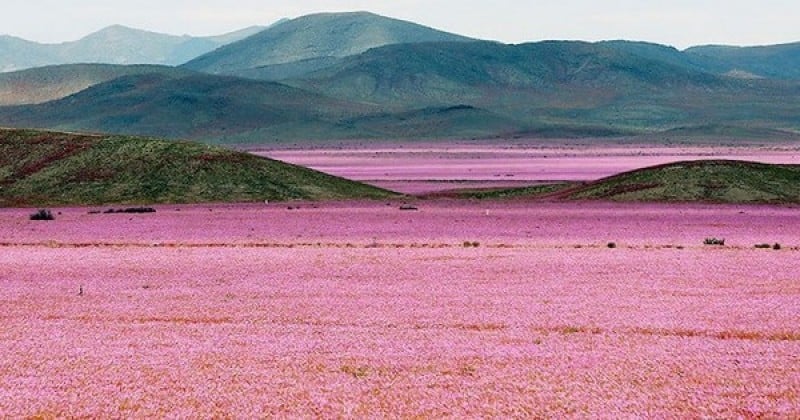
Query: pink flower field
{"points": [[425, 168], [363, 310]]}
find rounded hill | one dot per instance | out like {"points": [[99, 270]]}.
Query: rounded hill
{"points": [[723, 181], [46, 168]]}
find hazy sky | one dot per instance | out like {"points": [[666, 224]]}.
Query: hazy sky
{"points": [[680, 23]]}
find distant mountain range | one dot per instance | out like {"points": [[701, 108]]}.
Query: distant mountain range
{"points": [[113, 45], [360, 75]]}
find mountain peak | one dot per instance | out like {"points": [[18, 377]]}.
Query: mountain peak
{"points": [[118, 32], [317, 36]]}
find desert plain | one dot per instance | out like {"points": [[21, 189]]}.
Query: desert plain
{"points": [[451, 308]]}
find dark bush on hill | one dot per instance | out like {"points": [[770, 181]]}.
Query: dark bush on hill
{"points": [[42, 214]]}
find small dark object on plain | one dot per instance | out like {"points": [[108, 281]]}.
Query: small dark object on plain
{"points": [[777, 246], [612, 245], [408, 207], [139, 210], [714, 241], [763, 246], [80, 290], [43, 214]]}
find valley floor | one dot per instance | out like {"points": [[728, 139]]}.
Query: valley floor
{"points": [[426, 168], [361, 309]]}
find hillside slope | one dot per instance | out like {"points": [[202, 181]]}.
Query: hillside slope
{"points": [[315, 37], [45, 168], [197, 107], [440, 72], [43, 84], [721, 181], [770, 61], [17, 53], [559, 83]]}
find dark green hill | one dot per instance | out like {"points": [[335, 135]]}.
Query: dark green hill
{"points": [[772, 61], [46, 168], [576, 85], [45, 84], [442, 72], [315, 37], [221, 109], [459, 121], [198, 107], [720, 181], [669, 55]]}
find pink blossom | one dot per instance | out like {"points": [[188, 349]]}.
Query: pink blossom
{"points": [[361, 310]]}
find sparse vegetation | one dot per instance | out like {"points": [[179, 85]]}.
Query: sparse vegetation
{"points": [[714, 241], [776, 246]]}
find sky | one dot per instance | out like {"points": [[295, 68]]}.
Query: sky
{"points": [[680, 23]]}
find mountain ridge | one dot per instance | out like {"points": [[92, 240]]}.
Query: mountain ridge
{"points": [[114, 44], [548, 89]]}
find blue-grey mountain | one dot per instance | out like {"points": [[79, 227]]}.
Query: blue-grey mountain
{"points": [[113, 45]]}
